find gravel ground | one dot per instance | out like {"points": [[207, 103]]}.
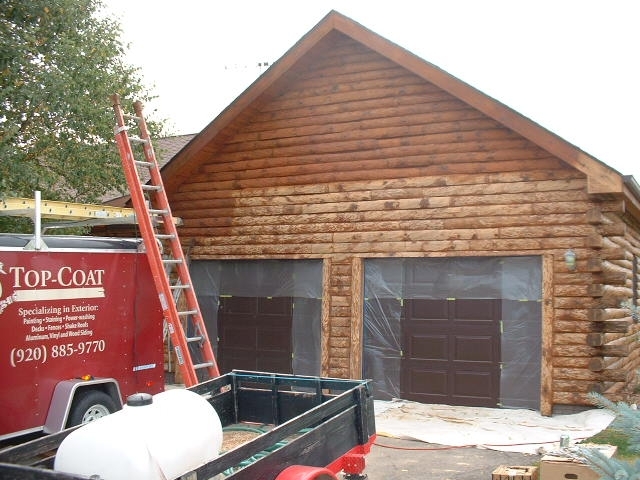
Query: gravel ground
{"points": [[398, 459]]}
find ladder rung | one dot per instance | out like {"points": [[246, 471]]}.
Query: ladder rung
{"points": [[178, 287], [131, 117], [134, 139], [184, 313], [154, 211], [142, 163], [165, 236], [155, 188], [195, 339], [172, 261], [198, 366]]}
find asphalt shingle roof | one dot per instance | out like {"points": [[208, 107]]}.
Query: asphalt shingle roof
{"points": [[165, 149]]}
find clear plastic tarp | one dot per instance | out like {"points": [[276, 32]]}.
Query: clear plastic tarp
{"points": [[300, 279], [516, 281]]}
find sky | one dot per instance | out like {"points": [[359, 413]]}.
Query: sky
{"points": [[573, 66]]}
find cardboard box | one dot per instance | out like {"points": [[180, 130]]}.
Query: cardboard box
{"points": [[505, 472], [566, 469], [554, 467]]}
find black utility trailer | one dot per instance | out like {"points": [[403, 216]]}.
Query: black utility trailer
{"points": [[316, 427]]}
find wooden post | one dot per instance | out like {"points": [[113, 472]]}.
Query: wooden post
{"points": [[325, 321], [357, 272], [546, 363]]}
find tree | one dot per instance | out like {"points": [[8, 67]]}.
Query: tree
{"points": [[627, 421], [59, 63]]}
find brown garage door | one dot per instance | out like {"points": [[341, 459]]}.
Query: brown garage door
{"points": [[255, 334], [451, 351]]}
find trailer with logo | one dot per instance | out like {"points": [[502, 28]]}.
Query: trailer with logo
{"points": [[81, 328]]}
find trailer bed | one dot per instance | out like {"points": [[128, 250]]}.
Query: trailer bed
{"points": [[311, 421]]}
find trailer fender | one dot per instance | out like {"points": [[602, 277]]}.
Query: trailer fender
{"points": [[304, 472], [353, 462], [67, 390]]}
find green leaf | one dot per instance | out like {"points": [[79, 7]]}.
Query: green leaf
{"points": [[60, 61]]}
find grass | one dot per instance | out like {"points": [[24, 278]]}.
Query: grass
{"points": [[612, 436]]}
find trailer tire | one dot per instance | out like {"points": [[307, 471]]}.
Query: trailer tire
{"points": [[89, 406]]}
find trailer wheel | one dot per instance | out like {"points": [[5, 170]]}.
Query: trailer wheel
{"points": [[89, 406]]}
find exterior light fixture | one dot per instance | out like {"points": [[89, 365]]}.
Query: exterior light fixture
{"points": [[570, 259]]}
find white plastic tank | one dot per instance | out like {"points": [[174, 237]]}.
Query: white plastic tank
{"points": [[160, 437]]}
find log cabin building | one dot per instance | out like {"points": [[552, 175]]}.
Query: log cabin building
{"points": [[358, 212]]}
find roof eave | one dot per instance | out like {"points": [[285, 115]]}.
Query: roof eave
{"points": [[632, 196]]}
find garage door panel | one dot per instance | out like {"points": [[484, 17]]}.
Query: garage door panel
{"points": [[474, 310], [241, 320], [274, 339], [474, 349], [274, 305], [240, 336], [238, 305], [280, 322], [240, 352], [239, 359], [273, 362], [426, 309], [473, 384], [429, 347], [437, 379]]}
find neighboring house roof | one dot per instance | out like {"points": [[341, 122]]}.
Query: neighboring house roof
{"points": [[165, 149], [602, 179]]}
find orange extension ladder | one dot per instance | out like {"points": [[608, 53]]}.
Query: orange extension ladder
{"points": [[162, 245]]}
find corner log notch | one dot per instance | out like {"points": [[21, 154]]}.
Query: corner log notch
{"points": [[614, 357]]}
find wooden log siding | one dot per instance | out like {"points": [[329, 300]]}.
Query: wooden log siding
{"points": [[350, 157], [614, 331], [342, 299], [626, 240]]}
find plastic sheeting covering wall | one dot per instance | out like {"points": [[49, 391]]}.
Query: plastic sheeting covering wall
{"points": [[517, 281], [301, 279]]}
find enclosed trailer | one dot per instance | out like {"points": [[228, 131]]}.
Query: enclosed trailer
{"points": [[81, 329]]}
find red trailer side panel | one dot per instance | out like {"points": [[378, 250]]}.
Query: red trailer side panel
{"points": [[68, 314]]}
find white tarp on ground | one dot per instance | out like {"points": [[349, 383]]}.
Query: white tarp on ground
{"points": [[507, 430]]}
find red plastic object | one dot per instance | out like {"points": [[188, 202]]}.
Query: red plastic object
{"points": [[353, 462], [304, 472]]}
